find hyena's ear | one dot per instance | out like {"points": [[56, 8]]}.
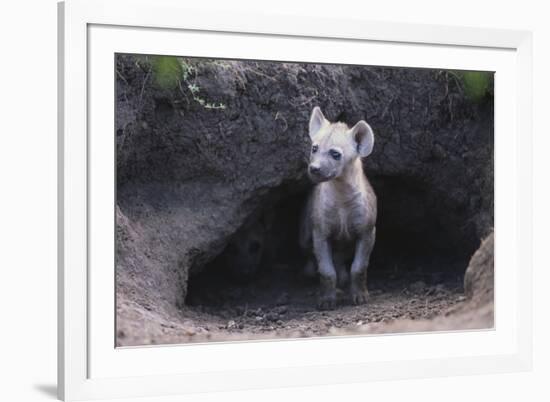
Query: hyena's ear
{"points": [[316, 121], [364, 138]]}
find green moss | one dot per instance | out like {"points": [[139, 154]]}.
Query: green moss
{"points": [[476, 84], [167, 71], [171, 72]]}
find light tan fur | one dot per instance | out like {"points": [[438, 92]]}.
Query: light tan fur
{"points": [[338, 224]]}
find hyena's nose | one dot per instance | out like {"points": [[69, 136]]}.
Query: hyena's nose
{"points": [[315, 170]]}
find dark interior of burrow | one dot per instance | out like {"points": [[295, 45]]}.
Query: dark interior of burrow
{"points": [[417, 240]]}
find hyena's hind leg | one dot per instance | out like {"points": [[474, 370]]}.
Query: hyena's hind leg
{"points": [[341, 266], [310, 269]]}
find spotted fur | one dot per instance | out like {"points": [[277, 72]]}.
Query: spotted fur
{"points": [[338, 224]]}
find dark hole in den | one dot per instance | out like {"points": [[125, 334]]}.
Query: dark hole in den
{"points": [[262, 264]]}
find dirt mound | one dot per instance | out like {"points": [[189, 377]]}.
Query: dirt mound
{"points": [[479, 278]]}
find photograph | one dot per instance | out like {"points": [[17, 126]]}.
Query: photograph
{"points": [[246, 201], [276, 200]]}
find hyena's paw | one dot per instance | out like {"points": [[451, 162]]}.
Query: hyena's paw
{"points": [[359, 296], [327, 300]]}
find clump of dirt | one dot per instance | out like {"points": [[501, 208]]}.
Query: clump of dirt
{"points": [[480, 276]]}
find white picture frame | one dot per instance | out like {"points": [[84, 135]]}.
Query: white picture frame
{"points": [[89, 365]]}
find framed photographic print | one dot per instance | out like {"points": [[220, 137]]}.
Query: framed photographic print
{"points": [[243, 198]]}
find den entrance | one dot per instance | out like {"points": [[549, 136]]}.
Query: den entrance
{"points": [[257, 283]]}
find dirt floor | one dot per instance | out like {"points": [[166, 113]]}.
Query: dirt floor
{"points": [[222, 309]]}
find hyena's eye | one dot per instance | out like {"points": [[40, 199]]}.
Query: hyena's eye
{"points": [[314, 149], [335, 154]]}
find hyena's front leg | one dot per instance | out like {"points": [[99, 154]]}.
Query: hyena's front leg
{"points": [[327, 273], [363, 248]]}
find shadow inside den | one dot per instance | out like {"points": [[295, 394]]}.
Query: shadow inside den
{"points": [[261, 267]]}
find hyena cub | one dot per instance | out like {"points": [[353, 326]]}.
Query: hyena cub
{"points": [[243, 255], [338, 225]]}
